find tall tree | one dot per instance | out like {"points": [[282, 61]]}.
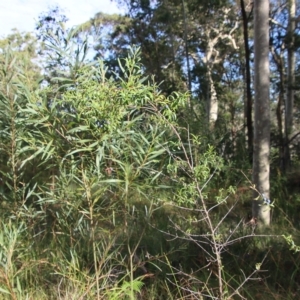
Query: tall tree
{"points": [[248, 101], [289, 104], [261, 165]]}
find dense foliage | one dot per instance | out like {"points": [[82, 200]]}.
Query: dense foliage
{"points": [[127, 175]]}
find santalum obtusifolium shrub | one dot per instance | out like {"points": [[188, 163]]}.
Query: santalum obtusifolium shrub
{"points": [[87, 151]]}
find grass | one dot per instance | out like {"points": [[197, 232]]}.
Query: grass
{"points": [[161, 253]]}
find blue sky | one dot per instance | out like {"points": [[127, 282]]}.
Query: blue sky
{"points": [[22, 14]]}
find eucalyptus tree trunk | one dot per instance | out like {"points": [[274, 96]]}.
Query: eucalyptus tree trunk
{"points": [[289, 103], [248, 102], [212, 101], [261, 147], [215, 34], [210, 61], [278, 57]]}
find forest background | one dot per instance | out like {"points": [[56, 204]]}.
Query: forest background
{"points": [[142, 159]]}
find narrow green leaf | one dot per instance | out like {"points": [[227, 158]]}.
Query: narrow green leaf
{"points": [[4, 291]]}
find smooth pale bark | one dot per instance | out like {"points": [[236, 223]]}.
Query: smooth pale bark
{"points": [[261, 147], [210, 60], [212, 57], [212, 100]]}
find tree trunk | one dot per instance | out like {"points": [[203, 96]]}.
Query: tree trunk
{"points": [[261, 149], [279, 113], [278, 56], [248, 102], [212, 102], [289, 104], [186, 48]]}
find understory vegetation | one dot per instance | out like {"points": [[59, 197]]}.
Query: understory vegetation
{"points": [[123, 201], [111, 189]]}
